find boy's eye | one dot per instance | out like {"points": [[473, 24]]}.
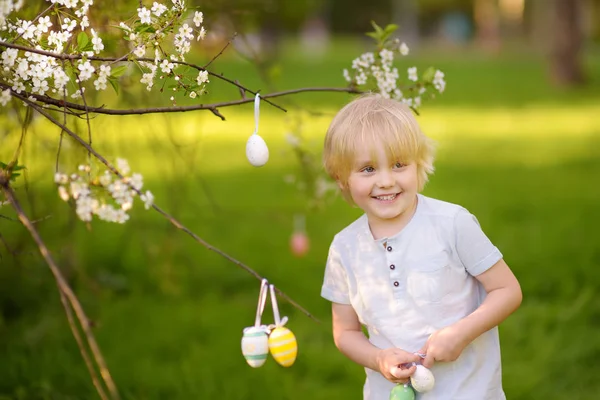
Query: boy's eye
{"points": [[367, 169], [399, 165]]}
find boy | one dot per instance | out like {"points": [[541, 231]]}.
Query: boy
{"points": [[419, 273]]}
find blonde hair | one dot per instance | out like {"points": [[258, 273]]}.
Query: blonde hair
{"points": [[373, 118]]}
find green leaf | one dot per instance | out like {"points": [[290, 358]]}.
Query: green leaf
{"points": [[388, 31], [118, 71], [115, 85], [390, 28], [3, 165], [18, 167], [373, 35], [377, 27], [428, 75], [82, 40]]}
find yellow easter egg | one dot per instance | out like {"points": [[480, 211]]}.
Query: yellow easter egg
{"points": [[283, 346]]}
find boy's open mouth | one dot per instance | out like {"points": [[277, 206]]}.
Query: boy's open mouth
{"points": [[387, 197]]}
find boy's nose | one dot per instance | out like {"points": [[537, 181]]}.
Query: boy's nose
{"points": [[385, 179]]}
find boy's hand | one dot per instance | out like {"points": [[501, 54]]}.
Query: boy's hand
{"points": [[444, 345], [391, 364]]}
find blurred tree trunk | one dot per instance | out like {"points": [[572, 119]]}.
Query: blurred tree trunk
{"points": [[405, 13], [566, 39], [487, 24]]}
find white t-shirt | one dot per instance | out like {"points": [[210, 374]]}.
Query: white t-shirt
{"points": [[404, 288]]}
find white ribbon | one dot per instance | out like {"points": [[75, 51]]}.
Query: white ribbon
{"points": [[256, 112], [262, 299], [278, 322]]}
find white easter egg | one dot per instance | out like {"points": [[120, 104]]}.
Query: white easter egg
{"points": [[257, 151], [422, 380], [255, 346]]}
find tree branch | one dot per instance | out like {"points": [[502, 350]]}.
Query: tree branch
{"points": [[66, 295], [173, 109], [63, 56], [171, 219]]}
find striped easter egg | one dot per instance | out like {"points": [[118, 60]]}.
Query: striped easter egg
{"points": [[255, 346], [283, 346]]}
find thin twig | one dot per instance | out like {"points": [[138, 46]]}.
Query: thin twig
{"points": [[63, 286], [5, 243], [62, 133], [81, 345], [171, 219], [221, 52], [34, 21], [87, 113]]}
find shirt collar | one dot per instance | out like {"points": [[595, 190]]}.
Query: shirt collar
{"points": [[366, 234]]}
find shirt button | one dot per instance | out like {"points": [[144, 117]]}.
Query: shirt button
{"points": [[392, 266], [389, 248], [396, 284]]}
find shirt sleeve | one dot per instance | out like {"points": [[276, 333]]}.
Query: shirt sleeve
{"points": [[335, 283], [474, 249]]}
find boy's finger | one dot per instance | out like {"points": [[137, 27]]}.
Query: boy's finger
{"points": [[402, 373], [428, 361]]}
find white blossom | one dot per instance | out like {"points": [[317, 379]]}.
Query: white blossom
{"points": [[136, 181], [403, 49], [86, 70], [140, 51], [145, 16], [123, 166], [412, 74], [97, 42], [61, 179], [201, 34], [158, 9], [105, 179], [9, 56], [63, 193], [148, 199], [5, 97], [202, 77], [198, 18], [43, 25], [85, 22]]}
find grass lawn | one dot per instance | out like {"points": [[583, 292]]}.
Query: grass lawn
{"points": [[522, 156]]}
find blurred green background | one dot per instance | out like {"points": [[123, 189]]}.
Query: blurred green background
{"points": [[519, 151]]}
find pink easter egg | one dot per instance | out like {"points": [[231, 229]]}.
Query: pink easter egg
{"points": [[299, 244]]}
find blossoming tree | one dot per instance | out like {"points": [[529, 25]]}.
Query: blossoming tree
{"points": [[52, 62]]}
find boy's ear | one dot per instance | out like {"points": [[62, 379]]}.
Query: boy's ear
{"points": [[340, 184]]}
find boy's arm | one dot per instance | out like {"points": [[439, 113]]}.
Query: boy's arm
{"points": [[503, 298], [351, 341]]}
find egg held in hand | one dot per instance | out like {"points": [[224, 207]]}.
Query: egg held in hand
{"points": [[402, 392], [422, 380]]}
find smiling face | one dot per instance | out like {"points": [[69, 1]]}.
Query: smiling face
{"points": [[384, 188]]}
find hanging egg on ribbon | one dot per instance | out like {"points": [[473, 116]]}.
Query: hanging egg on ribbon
{"points": [[422, 380], [282, 342], [257, 151], [402, 392], [299, 242], [255, 341]]}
